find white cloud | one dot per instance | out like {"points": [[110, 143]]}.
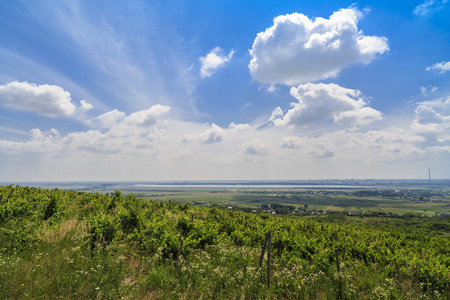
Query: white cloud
{"points": [[425, 90], [85, 106], [148, 117], [213, 61], [47, 100], [292, 142], [209, 136], [440, 105], [359, 115], [441, 67], [272, 88], [109, 119], [125, 135], [318, 102], [426, 114], [140, 126], [277, 114], [119, 124], [356, 148], [147, 145], [213, 135], [433, 126], [239, 127], [40, 142], [297, 49], [429, 6], [268, 88]]}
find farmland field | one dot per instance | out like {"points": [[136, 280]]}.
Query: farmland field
{"points": [[414, 199]]}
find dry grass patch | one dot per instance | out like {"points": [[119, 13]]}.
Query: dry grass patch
{"points": [[134, 262], [51, 235]]}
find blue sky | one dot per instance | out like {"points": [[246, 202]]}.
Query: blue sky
{"points": [[195, 90]]}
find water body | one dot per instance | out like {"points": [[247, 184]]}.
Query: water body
{"points": [[264, 186], [240, 184]]}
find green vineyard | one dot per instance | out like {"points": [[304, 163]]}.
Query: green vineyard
{"points": [[73, 245]]}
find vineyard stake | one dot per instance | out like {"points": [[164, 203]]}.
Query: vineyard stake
{"points": [[263, 249], [337, 260], [269, 240]]}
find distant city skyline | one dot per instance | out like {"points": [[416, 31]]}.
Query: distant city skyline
{"points": [[224, 90]]}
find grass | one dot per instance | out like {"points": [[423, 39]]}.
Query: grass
{"points": [[61, 266], [71, 257], [70, 275]]}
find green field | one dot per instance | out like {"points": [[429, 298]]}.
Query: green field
{"points": [[198, 244]]}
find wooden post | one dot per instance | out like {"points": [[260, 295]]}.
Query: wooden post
{"points": [[337, 260], [269, 241], [263, 249]]}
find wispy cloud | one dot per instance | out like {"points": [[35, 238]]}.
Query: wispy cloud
{"points": [[110, 62], [426, 90], [429, 7], [11, 130], [441, 68]]}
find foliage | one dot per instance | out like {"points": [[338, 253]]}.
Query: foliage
{"points": [[57, 243]]}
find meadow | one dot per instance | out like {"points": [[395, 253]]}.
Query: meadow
{"points": [[201, 244]]}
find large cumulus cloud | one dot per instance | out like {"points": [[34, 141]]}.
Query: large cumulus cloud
{"points": [[321, 101], [297, 49]]}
